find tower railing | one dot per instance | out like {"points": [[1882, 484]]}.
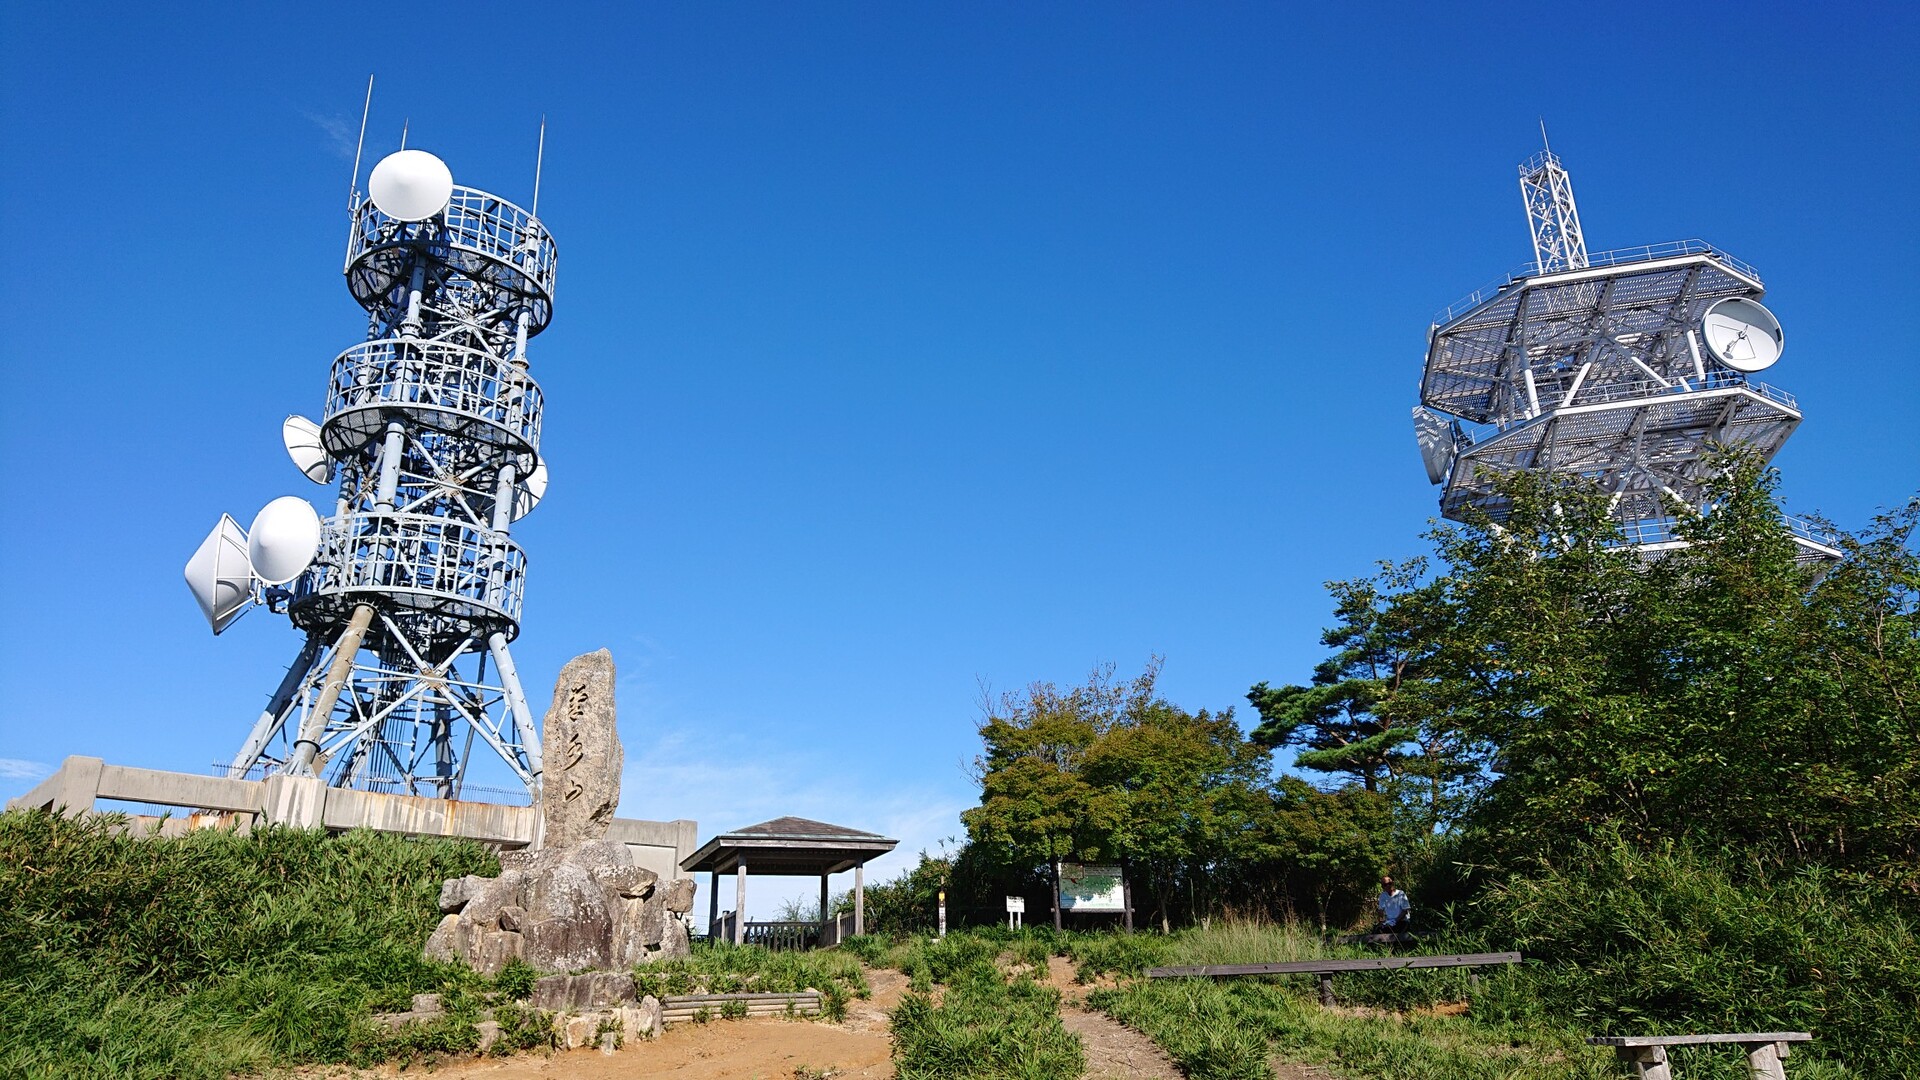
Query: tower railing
{"points": [[1601, 260], [422, 561], [479, 234], [441, 385]]}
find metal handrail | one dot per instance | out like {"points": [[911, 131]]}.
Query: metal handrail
{"points": [[1716, 380], [425, 378], [1647, 388], [473, 221], [1667, 530], [1614, 257], [419, 560]]}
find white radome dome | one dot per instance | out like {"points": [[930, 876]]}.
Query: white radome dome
{"points": [[411, 185]]}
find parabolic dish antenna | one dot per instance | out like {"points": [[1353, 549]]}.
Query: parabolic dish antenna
{"points": [[302, 437], [1437, 449], [528, 493], [220, 576], [284, 539], [411, 185], [1742, 334]]}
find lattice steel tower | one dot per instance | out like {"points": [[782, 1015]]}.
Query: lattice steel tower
{"points": [[432, 430], [1625, 367]]}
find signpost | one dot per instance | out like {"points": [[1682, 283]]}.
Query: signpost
{"points": [[1016, 912], [1091, 888], [943, 913]]}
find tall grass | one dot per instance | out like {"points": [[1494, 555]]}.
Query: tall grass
{"points": [[212, 954], [984, 1026], [1630, 941], [1228, 1031], [724, 968]]}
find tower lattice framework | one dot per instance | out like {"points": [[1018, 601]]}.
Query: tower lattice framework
{"points": [[433, 426], [1593, 365]]}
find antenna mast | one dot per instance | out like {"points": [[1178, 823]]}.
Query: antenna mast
{"points": [[1552, 216], [353, 186]]}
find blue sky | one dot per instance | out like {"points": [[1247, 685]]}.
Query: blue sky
{"points": [[900, 350]]}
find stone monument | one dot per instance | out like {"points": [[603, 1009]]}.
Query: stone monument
{"points": [[576, 902]]}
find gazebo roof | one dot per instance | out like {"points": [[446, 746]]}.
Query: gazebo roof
{"points": [[789, 845]]}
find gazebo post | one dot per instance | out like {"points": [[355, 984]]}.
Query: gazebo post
{"points": [[823, 910], [713, 901], [859, 898], [740, 904]]}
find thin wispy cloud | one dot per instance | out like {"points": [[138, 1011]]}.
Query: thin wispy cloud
{"points": [[19, 769], [342, 134]]}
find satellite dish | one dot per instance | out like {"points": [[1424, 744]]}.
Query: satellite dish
{"points": [[1435, 436], [528, 493], [284, 539], [220, 576], [302, 437], [411, 185], [1741, 334]]}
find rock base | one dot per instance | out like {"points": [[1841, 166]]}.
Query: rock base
{"points": [[563, 909], [609, 1027]]}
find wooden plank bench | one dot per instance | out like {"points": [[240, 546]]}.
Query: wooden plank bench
{"points": [[681, 1007], [1327, 969], [1648, 1053], [1381, 939]]}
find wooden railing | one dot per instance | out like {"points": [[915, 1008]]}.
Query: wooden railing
{"points": [[781, 936]]}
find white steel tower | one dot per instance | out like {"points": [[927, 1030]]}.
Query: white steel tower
{"points": [[410, 591], [1625, 367]]}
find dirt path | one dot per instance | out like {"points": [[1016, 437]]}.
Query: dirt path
{"points": [[1118, 1052], [1114, 1050]]}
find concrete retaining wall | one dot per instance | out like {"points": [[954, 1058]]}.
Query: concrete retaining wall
{"points": [[307, 802]]}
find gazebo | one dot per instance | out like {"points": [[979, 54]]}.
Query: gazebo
{"points": [[790, 847]]}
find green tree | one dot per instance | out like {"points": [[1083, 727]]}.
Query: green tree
{"points": [[1188, 789], [1374, 710], [1037, 806], [1727, 691]]}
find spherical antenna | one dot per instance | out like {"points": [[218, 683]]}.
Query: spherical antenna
{"points": [[528, 493], [1742, 335], [302, 439], [411, 185], [284, 539]]}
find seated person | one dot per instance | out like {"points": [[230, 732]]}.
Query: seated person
{"points": [[1394, 907]]}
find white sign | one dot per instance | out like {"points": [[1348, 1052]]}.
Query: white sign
{"points": [[1091, 888], [1016, 904]]}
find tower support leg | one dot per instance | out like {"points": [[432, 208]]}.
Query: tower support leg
{"points": [[338, 675], [517, 705], [276, 711]]}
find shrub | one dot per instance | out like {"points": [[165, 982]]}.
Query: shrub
{"points": [[984, 1028], [1672, 940], [213, 953]]}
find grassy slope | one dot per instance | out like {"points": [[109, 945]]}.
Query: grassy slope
{"points": [[215, 954], [1226, 1030], [985, 1025], [211, 953]]}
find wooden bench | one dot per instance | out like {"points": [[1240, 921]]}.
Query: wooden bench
{"points": [[1648, 1053], [1327, 969], [682, 1007], [1381, 939]]}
